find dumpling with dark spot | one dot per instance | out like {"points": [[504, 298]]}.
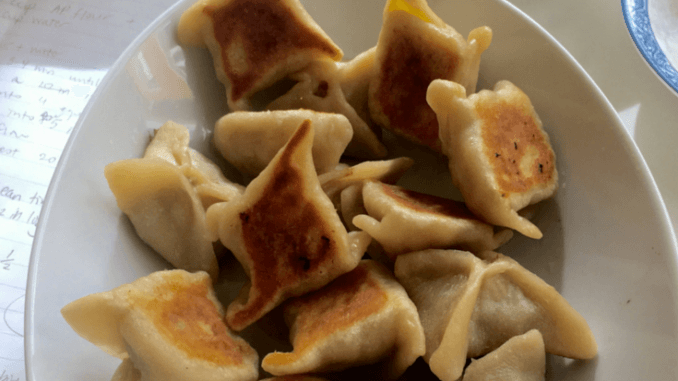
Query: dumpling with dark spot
{"points": [[414, 48], [470, 305], [362, 317], [255, 43], [403, 221], [499, 155], [285, 232], [167, 326]]}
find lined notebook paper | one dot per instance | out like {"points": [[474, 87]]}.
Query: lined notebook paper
{"points": [[53, 55]]}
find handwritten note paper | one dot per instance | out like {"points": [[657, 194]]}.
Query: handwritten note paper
{"points": [[53, 55]]}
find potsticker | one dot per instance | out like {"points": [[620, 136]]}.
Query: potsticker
{"points": [[500, 157], [402, 221], [362, 317], [167, 326], [285, 232], [416, 47], [165, 195], [255, 43], [470, 305], [250, 139]]}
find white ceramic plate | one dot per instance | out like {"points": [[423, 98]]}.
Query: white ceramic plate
{"points": [[608, 246]]}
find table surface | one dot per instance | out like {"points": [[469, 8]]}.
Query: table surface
{"points": [[594, 32]]}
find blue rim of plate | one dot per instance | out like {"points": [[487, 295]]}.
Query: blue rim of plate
{"points": [[637, 20]]}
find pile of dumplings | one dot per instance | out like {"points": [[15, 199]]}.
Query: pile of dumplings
{"points": [[364, 273]]}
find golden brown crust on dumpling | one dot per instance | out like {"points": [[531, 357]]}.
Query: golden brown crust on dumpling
{"points": [[285, 232], [255, 42], [400, 96], [165, 326], [362, 317], [301, 254], [350, 299], [415, 47], [271, 33], [515, 145], [189, 320], [500, 157]]}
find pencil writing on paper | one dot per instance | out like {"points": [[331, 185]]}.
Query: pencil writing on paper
{"points": [[53, 55], [4, 376], [7, 261]]}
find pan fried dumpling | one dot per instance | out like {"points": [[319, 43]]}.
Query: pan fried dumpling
{"points": [[170, 143], [165, 326], [285, 232], [403, 221], [415, 47], [249, 140], [208, 179], [351, 205], [355, 77], [209, 182], [499, 155], [165, 210], [521, 358], [165, 194], [362, 317], [387, 171], [319, 88], [255, 43], [471, 305], [345, 186]]}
